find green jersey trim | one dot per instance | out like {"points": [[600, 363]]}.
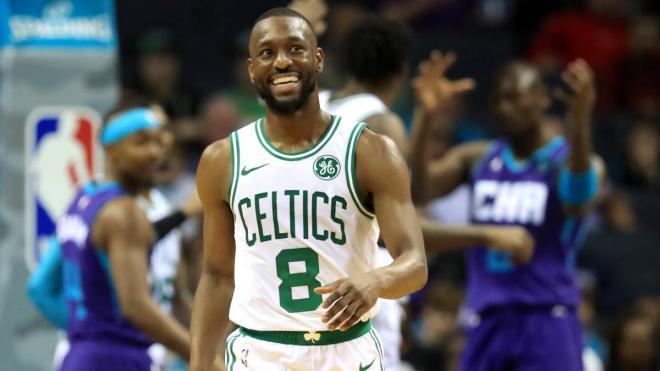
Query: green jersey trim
{"points": [[311, 338], [351, 181], [235, 166], [293, 156]]}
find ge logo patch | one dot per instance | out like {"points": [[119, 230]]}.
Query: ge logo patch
{"points": [[326, 167]]}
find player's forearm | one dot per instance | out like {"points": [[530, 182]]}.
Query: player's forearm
{"points": [[209, 319], [145, 315], [419, 142], [579, 136], [405, 275], [452, 237]]}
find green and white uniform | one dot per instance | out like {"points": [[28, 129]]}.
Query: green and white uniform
{"points": [[163, 265], [299, 224]]}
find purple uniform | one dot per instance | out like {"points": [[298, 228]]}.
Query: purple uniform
{"points": [[523, 317], [101, 339]]}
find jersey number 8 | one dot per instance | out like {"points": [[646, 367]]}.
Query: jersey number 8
{"points": [[300, 279]]}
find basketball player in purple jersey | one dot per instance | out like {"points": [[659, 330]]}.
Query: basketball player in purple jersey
{"points": [[105, 238], [521, 316]]}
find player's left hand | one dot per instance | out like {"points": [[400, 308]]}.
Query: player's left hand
{"points": [[432, 88], [349, 299], [580, 79], [513, 239]]}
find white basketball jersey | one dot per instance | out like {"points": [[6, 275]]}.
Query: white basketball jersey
{"points": [[353, 108], [163, 265], [165, 253], [299, 224]]}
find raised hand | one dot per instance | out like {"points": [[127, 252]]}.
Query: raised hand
{"points": [[314, 10], [349, 299], [431, 86], [514, 239], [580, 79]]}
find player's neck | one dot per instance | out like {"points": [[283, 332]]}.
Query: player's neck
{"points": [[353, 87], [306, 124], [526, 144], [130, 186]]}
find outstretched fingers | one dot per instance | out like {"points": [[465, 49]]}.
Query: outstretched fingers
{"points": [[335, 291], [463, 85], [338, 312], [356, 310]]}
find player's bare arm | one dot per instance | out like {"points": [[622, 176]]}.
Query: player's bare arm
{"points": [[390, 125], [210, 314], [513, 239], [127, 234], [580, 101], [388, 182], [434, 91], [440, 177]]}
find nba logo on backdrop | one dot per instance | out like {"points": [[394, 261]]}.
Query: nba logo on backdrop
{"points": [[62, 152]]}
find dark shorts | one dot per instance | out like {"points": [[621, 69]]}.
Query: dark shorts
{"points": [[524, 339], [97, 356]]}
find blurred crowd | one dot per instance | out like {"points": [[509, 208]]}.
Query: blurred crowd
{"points": [[190, 59]]}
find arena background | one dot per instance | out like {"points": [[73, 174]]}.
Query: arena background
{"points": [[78, 58]]}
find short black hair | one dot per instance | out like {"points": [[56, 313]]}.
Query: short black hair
{"points": [[375, 49], [281, 12]]}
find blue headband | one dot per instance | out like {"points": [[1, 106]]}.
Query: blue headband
{"points": [[129, 123]]}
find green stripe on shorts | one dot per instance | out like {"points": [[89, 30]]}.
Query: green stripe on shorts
{"points": [[378, 348], [230, 357]]}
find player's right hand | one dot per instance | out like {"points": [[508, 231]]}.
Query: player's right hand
{"points": [[432, 88], [513, 239]]}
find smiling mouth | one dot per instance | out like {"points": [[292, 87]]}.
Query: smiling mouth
{"points": [[287, 79]]}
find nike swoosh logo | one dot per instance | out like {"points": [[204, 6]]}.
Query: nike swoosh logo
{"points": [[245, 171], [367, 366]]}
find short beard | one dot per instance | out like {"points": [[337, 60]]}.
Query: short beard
{"points": [[290, 107]]}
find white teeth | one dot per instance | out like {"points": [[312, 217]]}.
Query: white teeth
{"points": [[285, 79]]}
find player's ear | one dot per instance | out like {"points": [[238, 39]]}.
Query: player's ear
{"points": [[111, 150], [250, 73], [319, 57]]}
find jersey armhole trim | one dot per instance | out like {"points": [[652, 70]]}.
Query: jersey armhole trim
{"points": [[350, 170], [93, 215], [235, 164]]}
